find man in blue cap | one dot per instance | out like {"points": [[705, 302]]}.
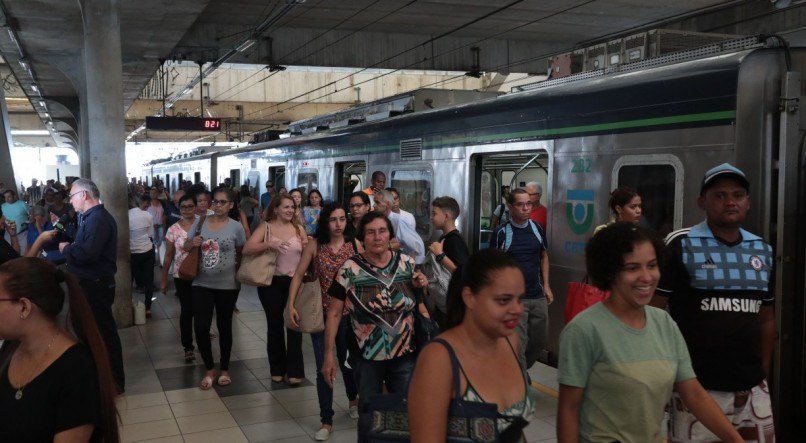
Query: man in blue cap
{"points": [[716, 283]]}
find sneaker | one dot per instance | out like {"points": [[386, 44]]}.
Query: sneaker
{"points": [[354, 412], [322, 434]]}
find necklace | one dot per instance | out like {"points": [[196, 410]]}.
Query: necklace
{"points": [[18, 394]]}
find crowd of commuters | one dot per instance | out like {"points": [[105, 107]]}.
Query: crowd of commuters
{"points": [[622, 362]]}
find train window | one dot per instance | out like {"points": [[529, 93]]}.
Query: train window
{"points": [[307, 181], [351, 178], [656, 185], [414, 188], [196, 177]]}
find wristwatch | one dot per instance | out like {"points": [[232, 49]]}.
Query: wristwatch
{"points": [[440, 257]]}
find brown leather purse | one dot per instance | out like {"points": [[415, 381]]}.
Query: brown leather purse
{"points": [[189, 268]]}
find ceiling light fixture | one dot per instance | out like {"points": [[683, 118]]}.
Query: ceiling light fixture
{"points": [[35, 88]]}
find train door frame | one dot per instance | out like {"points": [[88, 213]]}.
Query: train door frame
{"points": [[196, 177], [277, 176], [477, 169], [656, 160], [235, 177], [338, 178]]}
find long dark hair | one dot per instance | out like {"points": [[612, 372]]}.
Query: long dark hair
{"points": [[39, 281], [322, 233], [475, 274]]}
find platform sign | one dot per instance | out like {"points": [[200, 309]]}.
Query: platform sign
{"points": [[183, 124]]}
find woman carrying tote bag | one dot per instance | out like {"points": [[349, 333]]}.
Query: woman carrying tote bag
{"points": [[288, 239], [328, 253]]}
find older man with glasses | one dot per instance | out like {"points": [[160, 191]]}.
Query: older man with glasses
{"points": [[92, 258], [525, 241], [539, 212]]}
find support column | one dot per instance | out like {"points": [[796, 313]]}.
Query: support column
{"points": [[104, 123], [6, 168]]}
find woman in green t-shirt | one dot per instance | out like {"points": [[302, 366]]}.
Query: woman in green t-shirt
{"points": [[620, 359]]}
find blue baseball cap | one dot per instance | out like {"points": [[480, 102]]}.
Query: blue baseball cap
{"points": [[725, 170]]}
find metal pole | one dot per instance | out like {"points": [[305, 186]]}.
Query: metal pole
{"points": [[201, 89]]}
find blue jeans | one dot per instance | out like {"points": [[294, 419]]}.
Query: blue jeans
{"points": [[370, 376], [323, 391]]}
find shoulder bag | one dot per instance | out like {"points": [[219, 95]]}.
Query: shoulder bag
{"points": [[189, 268], [308, 305], [258, 270], [386, 419], [580, 296], [438, 278]]}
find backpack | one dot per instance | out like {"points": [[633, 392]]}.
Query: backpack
{"points": [[507, 230]]}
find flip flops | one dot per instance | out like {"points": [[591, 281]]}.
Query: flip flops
{"points": [[224, 380]]}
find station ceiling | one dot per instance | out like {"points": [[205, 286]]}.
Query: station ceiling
{"points": [[411, 34]]}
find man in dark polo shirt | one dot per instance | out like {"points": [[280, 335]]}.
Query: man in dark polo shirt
{"points": [[525, 241], [716, 282], [91, 257]]}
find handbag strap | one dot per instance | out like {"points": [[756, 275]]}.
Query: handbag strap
{"points": [[455, 367], [199, 226], [266, 232]]}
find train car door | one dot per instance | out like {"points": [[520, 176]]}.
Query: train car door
{"points": [[491, 173], [350, 177], [277, 176], [235, 177]]}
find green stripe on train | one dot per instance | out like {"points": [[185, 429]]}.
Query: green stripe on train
{"points": [[568, 130]]}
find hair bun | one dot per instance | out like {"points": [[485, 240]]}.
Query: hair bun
{"points": [[60, 276]]}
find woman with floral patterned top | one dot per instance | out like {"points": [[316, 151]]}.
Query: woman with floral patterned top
{"points": [[380, 290], [328, 253]]}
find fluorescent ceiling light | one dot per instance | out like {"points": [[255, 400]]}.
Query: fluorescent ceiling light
{"points": [[30, 132]]}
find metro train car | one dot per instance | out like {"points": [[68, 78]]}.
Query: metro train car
{"points": [[655, 125]]}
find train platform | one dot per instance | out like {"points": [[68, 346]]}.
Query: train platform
{"points": [[163, 403]]}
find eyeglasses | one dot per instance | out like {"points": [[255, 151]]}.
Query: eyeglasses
{"points": [[356, 205], [220, 202], [76, 193], [187, 207], [536, 193], [522, 204]]}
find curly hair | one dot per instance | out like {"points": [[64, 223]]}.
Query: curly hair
{"points": [[604, 253]]}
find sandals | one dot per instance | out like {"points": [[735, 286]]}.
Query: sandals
{"points": [[277, 379], [292, 381], [224, 380], [190, 356], [206, 383]]}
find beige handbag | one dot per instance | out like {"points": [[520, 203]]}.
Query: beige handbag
{"points": [[258, 270], [309, 307]]}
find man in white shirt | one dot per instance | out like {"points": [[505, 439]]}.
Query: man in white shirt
{"points": [[410, 242], [141, 243], [405, 216]]}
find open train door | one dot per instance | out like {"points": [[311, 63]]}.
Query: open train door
{"points": [[789, 364], [490, 173]]}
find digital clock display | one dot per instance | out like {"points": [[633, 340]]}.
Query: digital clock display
{"points": [[183, 124]]}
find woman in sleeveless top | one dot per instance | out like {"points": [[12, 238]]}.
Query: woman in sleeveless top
{"points": [[328, 253], [483, 311], [625, 204], [310, 213], [288, 239]]}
